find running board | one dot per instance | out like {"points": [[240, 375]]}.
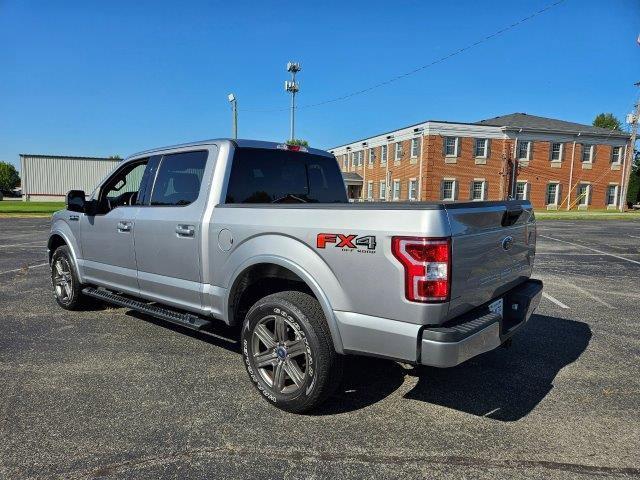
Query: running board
{"points": [[188, 320]]}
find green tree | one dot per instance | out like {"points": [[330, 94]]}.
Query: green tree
{"points": [[298, 141], [114, 157], [608, 121], [9, 178]]}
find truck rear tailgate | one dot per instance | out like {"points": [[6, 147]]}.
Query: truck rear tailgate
{"points": [[492, 250]]}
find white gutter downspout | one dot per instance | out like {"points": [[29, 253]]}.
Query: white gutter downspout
{"points": [[365, 166], [386, 174], [420, 167], [573, 156], [513, 165]]}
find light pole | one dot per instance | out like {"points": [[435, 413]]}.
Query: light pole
{"points": [[292, 87], [633, 119], [234, 110]]}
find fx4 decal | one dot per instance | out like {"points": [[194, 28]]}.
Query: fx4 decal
{"points": [[347, 242]]}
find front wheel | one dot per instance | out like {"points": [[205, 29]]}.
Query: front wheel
{"points": [[66, 286], [288, 351]]}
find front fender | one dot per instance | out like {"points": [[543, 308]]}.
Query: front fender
{"points": [[62, 229], [297, 257]]}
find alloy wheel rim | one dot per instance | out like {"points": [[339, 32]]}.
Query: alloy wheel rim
{"points": [[280, 354], [62, 280]]}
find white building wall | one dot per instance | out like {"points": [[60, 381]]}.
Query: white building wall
{"points": [[49, 178]]}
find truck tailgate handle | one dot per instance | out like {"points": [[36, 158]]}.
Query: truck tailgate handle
{"points": [[185, 230], [511, 215]]}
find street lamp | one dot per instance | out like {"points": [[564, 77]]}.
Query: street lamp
{"points": [[234, 109], [292, 87]]}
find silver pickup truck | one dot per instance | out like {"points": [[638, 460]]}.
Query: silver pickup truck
{"points": [[262, 236]]}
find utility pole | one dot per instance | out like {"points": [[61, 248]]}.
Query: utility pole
{"points": [[292, 87], [234, 111], [628, 162]]}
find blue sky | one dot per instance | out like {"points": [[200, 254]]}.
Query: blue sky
{"points": [[114, 77]]}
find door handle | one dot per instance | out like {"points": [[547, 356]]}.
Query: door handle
{"points": [[124, 226], [185, 230]]}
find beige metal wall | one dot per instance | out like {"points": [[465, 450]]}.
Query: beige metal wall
{"points": [[49, 178]]}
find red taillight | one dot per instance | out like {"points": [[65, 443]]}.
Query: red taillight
{"points": [[426, 263], [292, 148]]}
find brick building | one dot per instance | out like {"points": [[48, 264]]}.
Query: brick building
{"points": [[560, 164]]}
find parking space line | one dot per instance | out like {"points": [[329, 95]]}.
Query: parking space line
{"points": [[588, 294], [28, 267], [24, 244], [592, 249], [554, 300], [568, 254]]}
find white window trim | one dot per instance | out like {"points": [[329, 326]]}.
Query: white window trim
{"points": [[587, 197], [456, 144], [370, 190], [393, 192], [561, 152], [483, 182], [590, 154], [372, 157], [528, 142], [418, 142], [415, 192], [486, 144], [454, 188], [384, 153], [382, 187], [526, 189], [398, 151], [619, 162], [615, 195], [555, 202]]}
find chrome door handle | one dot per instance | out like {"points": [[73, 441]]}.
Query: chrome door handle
{"points": [[185, 230], [124, 226]]}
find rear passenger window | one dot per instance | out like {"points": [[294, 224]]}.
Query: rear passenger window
{"points": [[279, 176], [179, 179]]}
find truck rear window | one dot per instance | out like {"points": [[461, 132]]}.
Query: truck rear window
{"points": [[260, 175]]}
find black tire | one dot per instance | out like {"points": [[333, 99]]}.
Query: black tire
{"points": [[304, 322], [70, 298]]}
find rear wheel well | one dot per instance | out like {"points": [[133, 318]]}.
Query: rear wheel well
{"points": [[54, 243], [257, 282]]}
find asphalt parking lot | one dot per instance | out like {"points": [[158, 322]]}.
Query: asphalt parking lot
{"points": [[110, 393]]}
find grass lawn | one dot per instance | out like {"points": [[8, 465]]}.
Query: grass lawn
{"points": [[587, 215], [17, 208]]}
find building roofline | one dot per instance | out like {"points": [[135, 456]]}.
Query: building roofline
{"points": [[409, 126], [614, 133], [73, 157]]}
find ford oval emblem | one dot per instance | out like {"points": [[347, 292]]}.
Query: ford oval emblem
{"points": [[507, 243]]}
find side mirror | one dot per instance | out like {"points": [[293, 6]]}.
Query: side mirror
{"points": [[76, 201]]}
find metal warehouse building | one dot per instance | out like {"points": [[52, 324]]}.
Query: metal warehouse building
{"points": [[48, 178]]}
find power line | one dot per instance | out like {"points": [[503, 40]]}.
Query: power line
{"points": [[423, 67]]}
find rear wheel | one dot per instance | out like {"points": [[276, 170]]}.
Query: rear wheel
{"points": [[66, 286], [288, 351]]}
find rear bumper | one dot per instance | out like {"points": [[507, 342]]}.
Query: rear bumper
{"points": [[479, 330]]}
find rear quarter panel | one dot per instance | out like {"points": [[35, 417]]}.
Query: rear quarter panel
{"points": [[366, 281]]}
